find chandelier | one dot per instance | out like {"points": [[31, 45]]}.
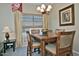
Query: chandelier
{"points": [[44, 9]]}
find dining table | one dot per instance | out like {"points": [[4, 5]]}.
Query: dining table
{"points": [[50, 37]]}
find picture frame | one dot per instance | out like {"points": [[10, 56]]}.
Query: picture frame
{"points": [[66, 16]]}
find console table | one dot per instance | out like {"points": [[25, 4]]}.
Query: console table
{"points": [[9, 43]]}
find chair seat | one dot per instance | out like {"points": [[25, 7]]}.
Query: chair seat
{"points": [[36, 44], [51, 48]]}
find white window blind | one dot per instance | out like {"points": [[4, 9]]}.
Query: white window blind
{"points": [[30, 21]]}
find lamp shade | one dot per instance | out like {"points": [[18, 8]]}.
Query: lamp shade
{"points": [[44, 9], [6, 29]]}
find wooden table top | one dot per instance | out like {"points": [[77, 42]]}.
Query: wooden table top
{"points": [[44, 37]]}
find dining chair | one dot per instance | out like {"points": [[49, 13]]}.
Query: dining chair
{"points": [[64, 44], [35, 31], [31, 44]]}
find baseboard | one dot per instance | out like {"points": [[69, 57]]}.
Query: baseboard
{"points": [[76, 52]]}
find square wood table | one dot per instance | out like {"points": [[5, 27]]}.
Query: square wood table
{"points": [[43, 39]]}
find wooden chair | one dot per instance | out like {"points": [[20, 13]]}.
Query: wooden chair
{"points": [[35, 31], [31, 44], [64, 44]]}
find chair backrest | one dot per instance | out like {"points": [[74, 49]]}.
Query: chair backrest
{"points": [[35, 30], [29, 37], [50, 30], [59, 30], [65, 39]]}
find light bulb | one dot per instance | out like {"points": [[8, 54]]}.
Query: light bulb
{"points": [[42, 10], [38, 8], [43, 6], [49, 7]]}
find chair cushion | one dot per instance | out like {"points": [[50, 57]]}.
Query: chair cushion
{"points": [[51, 48], [36, 43]]}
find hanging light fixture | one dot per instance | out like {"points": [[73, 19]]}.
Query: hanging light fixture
{"points": [[44, 9]]}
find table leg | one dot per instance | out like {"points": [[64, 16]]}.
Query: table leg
{"points": [[43, 48], [4, 48], [14, 46]]}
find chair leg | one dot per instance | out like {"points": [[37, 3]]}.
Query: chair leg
{"points": [[27, 51], [30, 52], [46, 53]]}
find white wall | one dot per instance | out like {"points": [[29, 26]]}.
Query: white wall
{"points": [[54, 22], [6, 18], [30, 8]]}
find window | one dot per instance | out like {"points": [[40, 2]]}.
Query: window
{"points": [[32, 21]]}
